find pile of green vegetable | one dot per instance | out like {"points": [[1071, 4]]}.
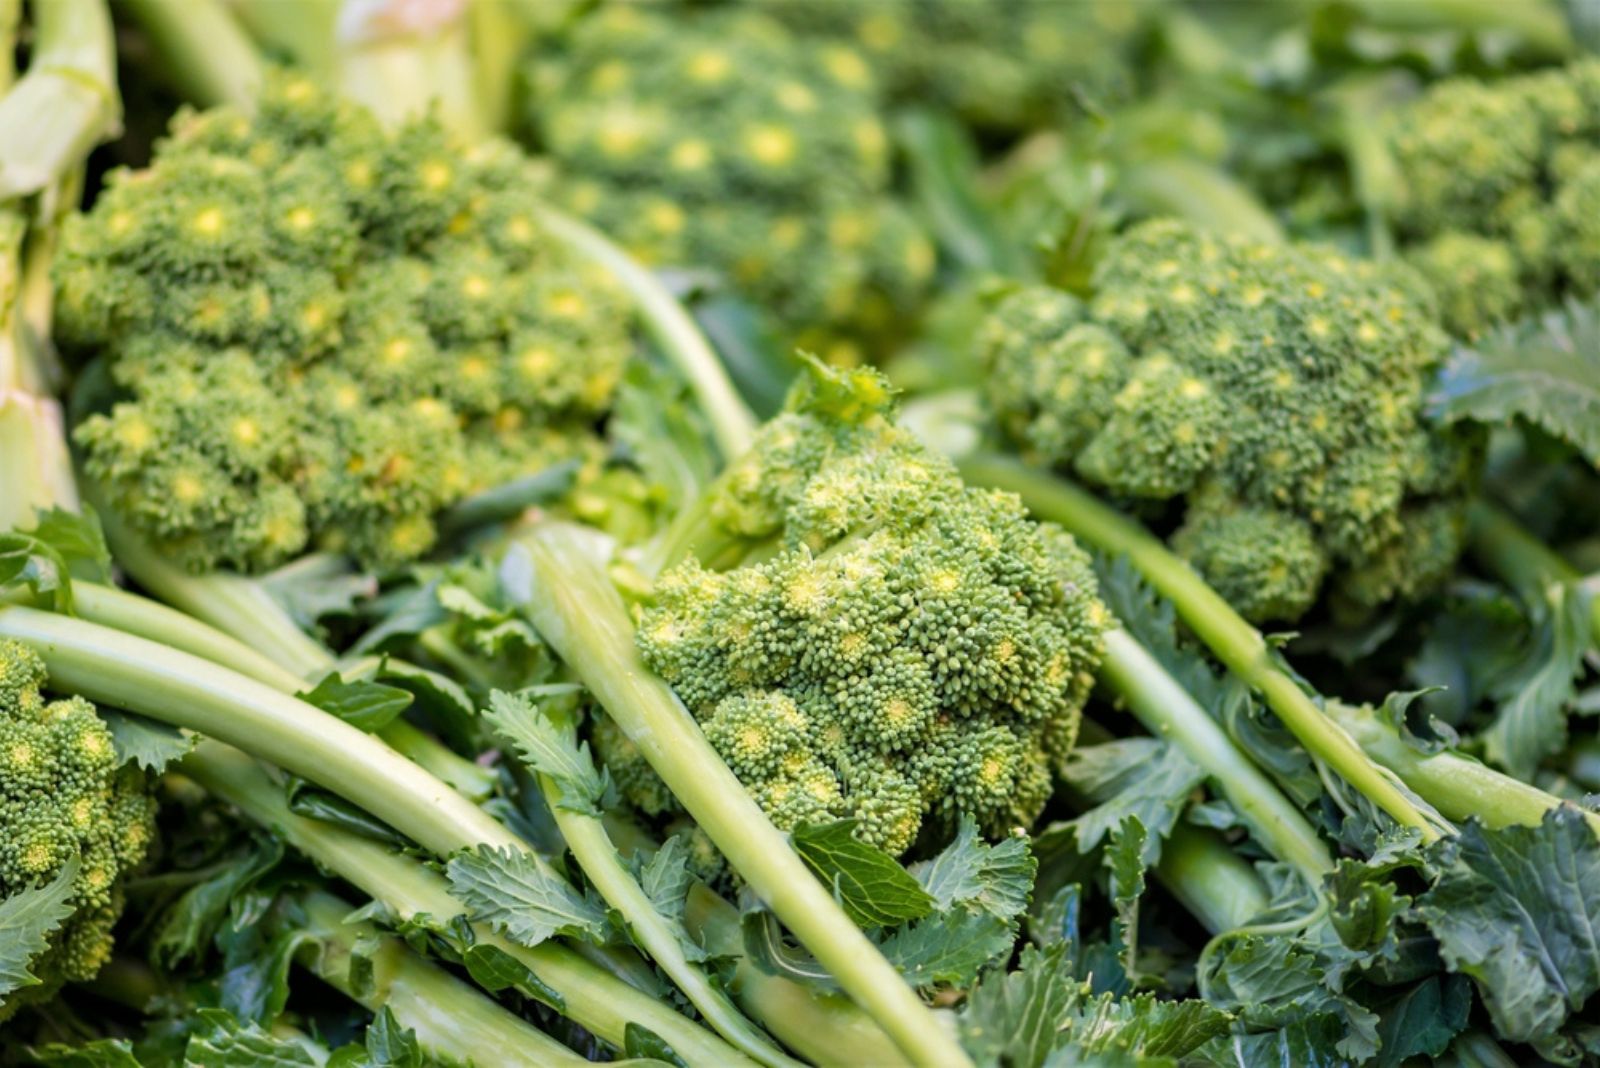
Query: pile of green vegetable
{"points": [[735, 534]]}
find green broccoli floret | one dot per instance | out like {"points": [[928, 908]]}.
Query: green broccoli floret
{"points": [[1001, 65], [892, 645], [718, 139], [1275, 390], [65, 795], [321, 333], [1502, 191]]}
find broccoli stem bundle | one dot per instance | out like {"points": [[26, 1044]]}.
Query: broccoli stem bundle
{"points": [[452, 1020], [1236, 643], [580, 614], [189, 692], [589, 995]]}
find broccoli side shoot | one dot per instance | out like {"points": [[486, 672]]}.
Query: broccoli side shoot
{"points": [[1275, 391], [893, 646], [321, 333], [718, 139], [65, 795], [1502, 204]]}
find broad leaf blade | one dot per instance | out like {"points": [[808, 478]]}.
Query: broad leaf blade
{"points": [[27, 920], [871, 885], [513, 893]]}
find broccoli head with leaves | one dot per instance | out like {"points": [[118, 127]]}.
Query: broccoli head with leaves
{"points": [[1501, 205], [76, 819], [1000, 65], [1275, 390], [317, 332], [719, 139], [863, 636]]}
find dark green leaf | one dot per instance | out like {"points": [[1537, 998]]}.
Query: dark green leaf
{"points": [[871, 885], [530, 904], [969, 871], [255, 986], [1146, 1027], [1544, 370], [1531, 722], [508, 500], [370, 706], [227, 1043], [150, 744], [764, 945], [27, 920], [186, 928], [1517, 910], [948, 948], [391, 1046], [495, 970], [1145, 778], [306, 800], [1016, 1018], [28, 563], [1125, 864], [1423, 1020], [639, 1041], [104, 1053], [316, 587]]}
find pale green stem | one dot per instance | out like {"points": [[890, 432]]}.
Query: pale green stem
{"points": [[586, 837], [205, 52], [593, 998], [1520, 560], [1456, 785], [1232, 640], [66, 103], [579, 613], [1213, 882], [453, 1022], [1168, 711], [1201, 194]]}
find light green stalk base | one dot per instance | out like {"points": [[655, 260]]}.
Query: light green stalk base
{"points": [[453, 1022], [578, 611], [1236, 643], [586, 837], [1458, 786], [1218, 888], [1168, 711], [594, 998]]}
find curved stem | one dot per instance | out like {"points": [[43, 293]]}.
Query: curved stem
{"points": [[671, 326], [1233, 641], [578, 611], [204, 50], [1458, 786], [591, 996], [586, 837], [452, 1021], [1506, 549], [1168, 711], [1213, 882]]}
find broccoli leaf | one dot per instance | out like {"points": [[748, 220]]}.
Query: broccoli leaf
{"points": [[996, 879], [78, 539], [666, 879], [547, 741], [1124, 860], [510, 891], [186, 928], [495, 970], [255, 986], [664, 433], [103, 1053], [369, 705], [227, 1043], [1531, 722], [315, 587], [145, 742], [25, 561], [1422, 1021], [1015, 1018], [640, 1042], [1516, 910], [1146, 1027], [1545, 371], [948, 947], [27, 919], [871, 885], [391, 1046], [1145, 778]]}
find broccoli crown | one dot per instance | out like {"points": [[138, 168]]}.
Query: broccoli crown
{"points": [[320, 332], [1502, 205], [897, 648], [1276, 390], [63, 795], [719, 139], [1000, 65]]}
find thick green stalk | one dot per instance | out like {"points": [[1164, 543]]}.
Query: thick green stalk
{"points": [[1213, 882], [586, 837], [1232, 640], [1168, 711], [205, 53], [453, 1022], [406, 886], [145, 618], [1458, 786], [1200, 193], [1520, 560], [579, 612]]}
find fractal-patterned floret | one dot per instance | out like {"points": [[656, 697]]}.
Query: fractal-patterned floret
{"points": [[875, 640], [718, 139], [1275, 390], [65, 796], [320, 333]]}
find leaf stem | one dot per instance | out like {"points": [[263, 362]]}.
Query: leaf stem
{"points": [[579, 612], [1509, 551], [1235, 642]]}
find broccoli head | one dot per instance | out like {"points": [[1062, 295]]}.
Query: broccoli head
{"points": [[65, 795], [322, 333], [1005, 66], [1275, 390], [893, 646], [1501, 210], [718, 139]]}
